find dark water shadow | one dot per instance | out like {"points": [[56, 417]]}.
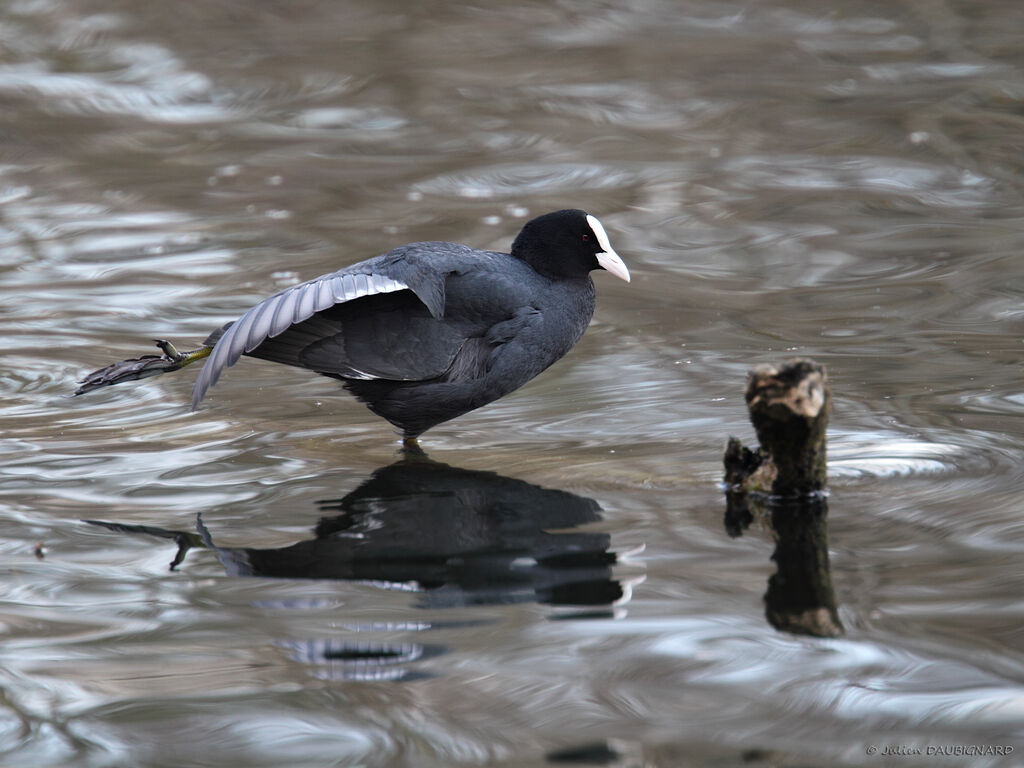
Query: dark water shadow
{"points": [[800, 598], [591, 753], [455, 537]]}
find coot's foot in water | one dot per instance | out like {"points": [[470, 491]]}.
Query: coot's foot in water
{"points": [[142, 367]]}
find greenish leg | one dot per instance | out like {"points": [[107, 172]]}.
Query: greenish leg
{"points": [[182, 358]]}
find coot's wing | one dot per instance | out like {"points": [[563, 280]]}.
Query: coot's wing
{"points": [[299, 303], [385, 336]]}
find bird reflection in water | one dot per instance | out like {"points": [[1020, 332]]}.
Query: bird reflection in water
{"points": [[456, 537]]}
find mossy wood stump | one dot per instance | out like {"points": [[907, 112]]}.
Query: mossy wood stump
{"points": [[789, 407]]}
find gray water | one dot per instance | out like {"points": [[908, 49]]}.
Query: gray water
{"points": [[838, 180]]}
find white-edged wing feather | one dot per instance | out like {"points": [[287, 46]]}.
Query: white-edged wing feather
{"points": [[275, 315]]}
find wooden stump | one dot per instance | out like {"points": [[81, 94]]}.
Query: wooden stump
{"points": [[782, 483], [789, 408]]}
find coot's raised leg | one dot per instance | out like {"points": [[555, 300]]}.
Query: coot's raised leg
{"points": [[142, 367]]}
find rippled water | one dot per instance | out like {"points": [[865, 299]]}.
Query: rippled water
{"points": [[835, 180]]}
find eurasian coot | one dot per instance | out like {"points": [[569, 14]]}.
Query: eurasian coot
{"points": [[423, 333]]}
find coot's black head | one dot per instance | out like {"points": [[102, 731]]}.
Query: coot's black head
{"points": [[567, 244]]}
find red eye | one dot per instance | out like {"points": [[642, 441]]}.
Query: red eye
{"points": [[586, 238]]}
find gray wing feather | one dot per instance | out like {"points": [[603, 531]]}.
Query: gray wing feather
{"points": [[284, 314], [324, 293], [306, 305], [275, 315]]}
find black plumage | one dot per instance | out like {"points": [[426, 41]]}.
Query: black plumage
{"points": [[428, 331]]}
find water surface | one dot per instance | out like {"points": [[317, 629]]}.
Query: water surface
{"points": [[834, 180]]}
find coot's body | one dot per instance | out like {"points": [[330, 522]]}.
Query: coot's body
{"points": [[428, 331]]}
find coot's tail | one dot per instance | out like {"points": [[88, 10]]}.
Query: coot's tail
{"points": [[143, 367]]}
